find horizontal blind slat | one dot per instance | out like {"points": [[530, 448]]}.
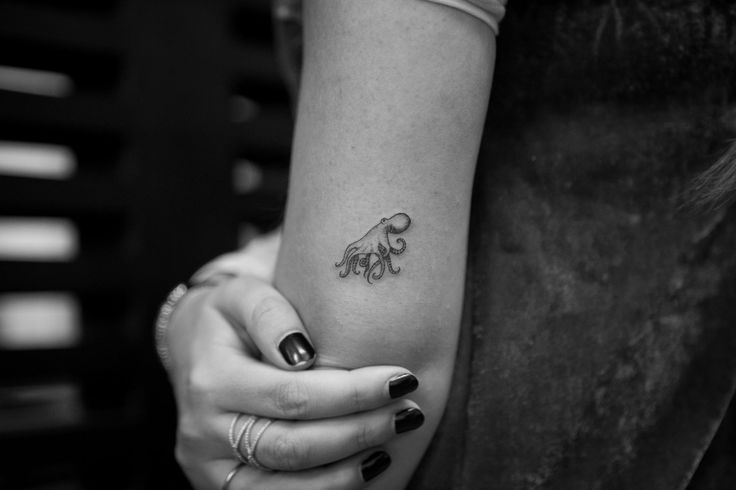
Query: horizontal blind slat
{"points": [[18, 367], [57, 28], [255, 64], [267, 136], [39, 197], [90, 113], [86, 274]]}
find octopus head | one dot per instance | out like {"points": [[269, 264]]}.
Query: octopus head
{"points": [[397, 223]]}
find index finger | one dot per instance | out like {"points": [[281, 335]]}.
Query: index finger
{"points": [[252, 387]]}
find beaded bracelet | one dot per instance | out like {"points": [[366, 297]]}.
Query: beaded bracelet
{"points": [[162, 322], [167, 309]]}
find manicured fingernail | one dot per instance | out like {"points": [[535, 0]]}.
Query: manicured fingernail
{"points": [[408, 419], [374, 465], [296, 349], [402, 384]]}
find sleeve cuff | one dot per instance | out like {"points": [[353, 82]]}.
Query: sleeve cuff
{"points": [[489, 11]]}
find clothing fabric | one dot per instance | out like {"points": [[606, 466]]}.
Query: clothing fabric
{"points": [[489, 11]]}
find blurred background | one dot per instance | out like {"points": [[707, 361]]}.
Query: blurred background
{"points": [[123, 124]]}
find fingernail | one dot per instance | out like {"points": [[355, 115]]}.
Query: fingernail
{"points": [[374, 465], [408, 419], [402, 384], [296, 349]]}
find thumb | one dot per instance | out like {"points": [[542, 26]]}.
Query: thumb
{"points": [[269, 320]]}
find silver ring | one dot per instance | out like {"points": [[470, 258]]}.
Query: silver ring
{"points": [[230, 476], [245, 433], [235, 441], [242, 437], [252, 449]]}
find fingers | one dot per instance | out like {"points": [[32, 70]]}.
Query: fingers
{"points": [[351, 473], [246, 385], [230, 380], [296, 446], [270, 321]]}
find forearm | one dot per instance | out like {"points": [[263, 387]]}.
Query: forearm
{"points": [[391, 112]]}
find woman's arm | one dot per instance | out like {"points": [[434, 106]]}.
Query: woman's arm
{"points": [[391, 111]]}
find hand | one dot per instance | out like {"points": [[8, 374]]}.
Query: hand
{"points": [[328, 424]]}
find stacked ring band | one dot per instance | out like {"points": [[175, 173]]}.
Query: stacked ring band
{"points": [[235, 441], [243, 438], [231, 475]]}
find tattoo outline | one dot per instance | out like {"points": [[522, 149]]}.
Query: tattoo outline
{"points": [[376, 242]]}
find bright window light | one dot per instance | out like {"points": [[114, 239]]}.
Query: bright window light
{"points": [[39, 321], [36, 82], [36, 160], [40, 407], [243, 109], [43, 239], [247, 176]]}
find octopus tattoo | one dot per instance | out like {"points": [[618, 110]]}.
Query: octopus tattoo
{"points": [[371, 255]]}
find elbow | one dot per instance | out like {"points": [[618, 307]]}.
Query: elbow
{"points": [[418, 336]]}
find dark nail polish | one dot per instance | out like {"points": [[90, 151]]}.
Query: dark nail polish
{"points": [[402, 384], [408, 419], [296, 349], [374, 465]]}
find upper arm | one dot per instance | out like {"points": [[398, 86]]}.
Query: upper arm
{"points": [[390, 117]]}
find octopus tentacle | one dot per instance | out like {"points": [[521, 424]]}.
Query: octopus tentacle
{"points": [[367, 266], [362, 262], [349, 266], [348, 255], [402, 244], [376, 275], [390, 267]]}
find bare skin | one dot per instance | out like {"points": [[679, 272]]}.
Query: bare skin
{"points": [[390, 118]]}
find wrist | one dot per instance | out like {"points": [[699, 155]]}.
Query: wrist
{"points": [[256, 259], [162, 326]]}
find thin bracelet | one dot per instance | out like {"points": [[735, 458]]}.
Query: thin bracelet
{"points": [[167, 309]]}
